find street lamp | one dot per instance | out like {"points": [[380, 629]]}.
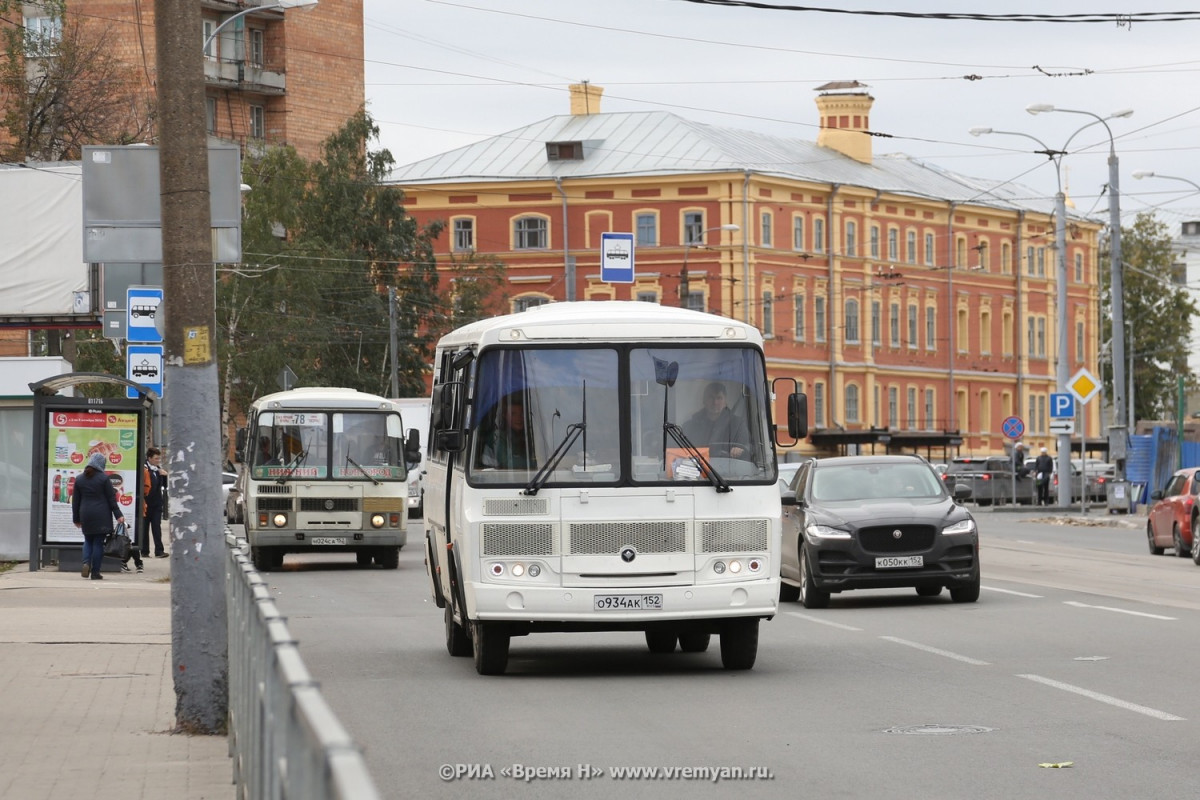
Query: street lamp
{"points": [[1144, 173], [684, 288], [282, 4], [1122, 410]]}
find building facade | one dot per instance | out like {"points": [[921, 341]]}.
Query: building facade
{"points": [[916, 307]]}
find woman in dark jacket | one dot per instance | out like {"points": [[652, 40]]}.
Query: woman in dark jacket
{"points": [[93, 507]]}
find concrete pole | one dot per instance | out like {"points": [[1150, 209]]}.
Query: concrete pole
{"points": [[1061, 373], [393, 340], [199, 634], [1118, 431]]}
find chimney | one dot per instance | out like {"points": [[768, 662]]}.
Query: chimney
{"points": [[845, 117], [585, 98]]}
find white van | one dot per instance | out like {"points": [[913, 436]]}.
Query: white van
{"points": [[415, 411]]}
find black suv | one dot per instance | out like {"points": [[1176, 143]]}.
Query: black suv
{"points": [[876, 522]]}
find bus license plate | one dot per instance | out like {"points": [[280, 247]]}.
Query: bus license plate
{"points": [[628, 602], [329, 541], [890, 562]]}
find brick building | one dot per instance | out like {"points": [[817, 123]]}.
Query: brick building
{"points": [[915, 306]]}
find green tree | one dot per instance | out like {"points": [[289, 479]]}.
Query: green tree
{"points": [[1158, 318]]}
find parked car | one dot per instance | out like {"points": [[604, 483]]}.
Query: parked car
{"points": [[1172, 520], [991, 480], [228, 479], [787, 473], [876, 522]]}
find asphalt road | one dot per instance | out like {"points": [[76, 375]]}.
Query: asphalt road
{"points": [[1081, 653]]}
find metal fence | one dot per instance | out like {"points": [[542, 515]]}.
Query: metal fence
{"points": [[284, 739]]}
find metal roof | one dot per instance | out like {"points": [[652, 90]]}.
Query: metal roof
{"points": [[662, 143]]}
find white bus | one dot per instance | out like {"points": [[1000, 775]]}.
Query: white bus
{"points": [[583, 475], [323, 469]]}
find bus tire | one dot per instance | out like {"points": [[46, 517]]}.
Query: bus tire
{"points": [[490, 640], [458, 644], [739, 643], [264, 559], [693, 642], [661, 642], [363, 557], [388, 557]]}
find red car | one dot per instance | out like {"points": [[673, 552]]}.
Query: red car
{"points": [[1174, 519]]}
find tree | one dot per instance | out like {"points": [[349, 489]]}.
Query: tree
{"points": [[62, 86], [1158, 318]]}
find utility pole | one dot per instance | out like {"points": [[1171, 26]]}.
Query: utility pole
{"points": [[393, 340], [199, 633]]}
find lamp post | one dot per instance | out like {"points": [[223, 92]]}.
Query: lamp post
{"points": [[1119, 431], [282, 4], [684, 287]]}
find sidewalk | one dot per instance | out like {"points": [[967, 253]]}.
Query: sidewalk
{"points": [[87, 702]]}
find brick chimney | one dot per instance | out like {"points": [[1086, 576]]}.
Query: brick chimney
{"points": [[845, 114], [585, 98]]}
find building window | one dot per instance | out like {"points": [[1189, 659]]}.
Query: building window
{"points": [[851, 403], [647, 297], [1079, 267], [819, 405], [210, 115], [207, 29], [963, 332], [819, 319], [1079, 341], [851, 321], [564, 151], [985, 333], [798, 326], [528, 302], [693, 227], [1041, 261], [1041, 412], [930, 250], [1031, 419], [1005, 258], [893, 407], [876, 323], [766, 229], [960, 253], [874, 241], [851, 238], [929, 408], [1030, 335], [930, 328], [647, 230], [464, 234], [41, 35], [910, 410], [530, 233], [876, 408], [258, 122], [1030, 261], [893, 244], [1041, 336], [818, 235], [910, 247], [985, 262], [768, 314], [894, 325], [797, 233], [256, 47], [912, 327], [695, 300]]}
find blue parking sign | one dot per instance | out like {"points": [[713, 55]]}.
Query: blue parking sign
{"points": [[1062, 404]]}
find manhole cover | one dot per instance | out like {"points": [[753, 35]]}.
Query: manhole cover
{"points": [[939, 730]]}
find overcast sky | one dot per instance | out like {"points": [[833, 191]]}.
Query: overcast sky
{"points": [[444, 73]]}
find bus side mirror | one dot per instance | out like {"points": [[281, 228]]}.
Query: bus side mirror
{"points": [[450, 441], [797, 411], [239, 444]]}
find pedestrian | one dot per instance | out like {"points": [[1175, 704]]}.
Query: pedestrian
{"points": [[93, 507], [154, 481], [1044, 469]]}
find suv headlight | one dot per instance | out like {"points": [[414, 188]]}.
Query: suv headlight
{"points": [[816, 533], [962, 526]]}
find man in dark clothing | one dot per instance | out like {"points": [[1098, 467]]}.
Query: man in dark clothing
{"points": [[1043, 469], [154, 484], [716, 427]]}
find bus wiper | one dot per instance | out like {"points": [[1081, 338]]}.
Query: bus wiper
{"points": [[363, 469], [292, 465], [681, 439], [543, 474]]}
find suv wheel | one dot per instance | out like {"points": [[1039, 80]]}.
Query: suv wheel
{"points": [[810, 595], [1155, 550]]}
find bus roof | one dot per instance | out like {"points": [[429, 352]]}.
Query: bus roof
{"points": [[324, 397], [603, 320]]}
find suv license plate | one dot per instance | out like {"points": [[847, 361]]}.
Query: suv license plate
{"points": [[628, 602], [329, 541], [891, 562]]}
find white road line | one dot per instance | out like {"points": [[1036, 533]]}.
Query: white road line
{"points": [[935, 651], [1103, 698], [1077, 604], [810, 618], [1010, 591]]}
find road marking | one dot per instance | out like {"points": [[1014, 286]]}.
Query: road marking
{"points": [[1010, 591], [1103, 698], [1077, 604], [809, 618], [935, 651]]}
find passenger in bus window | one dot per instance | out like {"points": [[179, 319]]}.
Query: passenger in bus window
{"points": [[506, 442], [716, 427]]}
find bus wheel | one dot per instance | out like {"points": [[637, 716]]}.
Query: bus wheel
{"points": [[263, 559], [694, 642], [739, 643], [661, 642], [491, 647], [388, 557], [363, 557], [458, 644]]}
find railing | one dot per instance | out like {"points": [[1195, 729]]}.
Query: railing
{"points": [[284, 739]]}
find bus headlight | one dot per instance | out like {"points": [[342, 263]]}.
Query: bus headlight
{"points": [[719, 567], [534, 570], [518, 570], [735, 566], [378, 520], [279, 520]]}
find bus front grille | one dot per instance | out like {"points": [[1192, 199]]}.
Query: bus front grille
{"points": [[734, 535], [505, 539], [329, 504], [515, 506], [274, 504], [604, 538]]}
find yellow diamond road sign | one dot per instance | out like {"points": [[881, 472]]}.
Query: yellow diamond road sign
{"points": [[1083, 385]]}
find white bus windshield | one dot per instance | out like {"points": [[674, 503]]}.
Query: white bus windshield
{"points": [[620, 415], [338, 445]]}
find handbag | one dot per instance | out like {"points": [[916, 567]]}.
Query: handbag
{"points": [[117, 544]]}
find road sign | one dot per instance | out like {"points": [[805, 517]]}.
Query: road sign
{"points": [[1083, 385], [1013, 427], [1062, 404], [144, 365], [616, 257], [1062, 426], [143, 306]]}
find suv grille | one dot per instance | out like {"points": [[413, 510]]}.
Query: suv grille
{"points": [[882, 539]]}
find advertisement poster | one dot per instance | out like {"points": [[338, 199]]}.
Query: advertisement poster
{"points": [[72, 437]]}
